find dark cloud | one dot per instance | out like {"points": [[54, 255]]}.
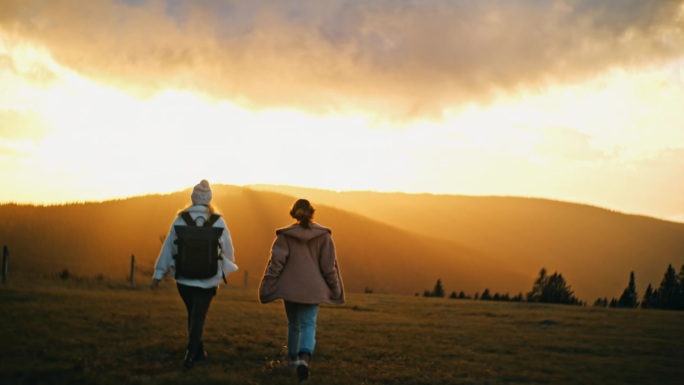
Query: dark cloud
{"points": [[401, 58]]}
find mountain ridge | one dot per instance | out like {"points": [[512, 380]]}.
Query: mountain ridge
{"points": [[387, 242], [98, 239], [591, 246]]}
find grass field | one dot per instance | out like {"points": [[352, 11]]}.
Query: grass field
{"points": [[96, 332]]}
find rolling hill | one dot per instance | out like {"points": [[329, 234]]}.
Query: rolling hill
{"points": [[387, 242], [595, 249], [98, 238]]}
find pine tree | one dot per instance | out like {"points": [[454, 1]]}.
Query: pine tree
{"points": [[556, 290], [438, 291], [667, 295], [486, 296], [535, 294], [629, 297], [647, 301], [453, 295], [601, 302], [551, 289]]}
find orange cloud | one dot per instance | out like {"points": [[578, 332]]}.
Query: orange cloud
{"points": [[398, 58]]}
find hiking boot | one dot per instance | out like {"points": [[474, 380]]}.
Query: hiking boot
{"points": [[188, 361], [293, 365], [303, 371], [201, 356]]}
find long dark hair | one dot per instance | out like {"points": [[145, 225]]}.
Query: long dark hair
{"points": [[303, 212]]}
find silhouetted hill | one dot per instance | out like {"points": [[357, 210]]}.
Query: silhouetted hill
{"points": [[98, 238], [595, 249]]}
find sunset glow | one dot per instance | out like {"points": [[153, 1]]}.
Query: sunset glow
{"points": [[188, 98]]}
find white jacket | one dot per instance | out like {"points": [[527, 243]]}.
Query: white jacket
{"points": [[165, 261]]}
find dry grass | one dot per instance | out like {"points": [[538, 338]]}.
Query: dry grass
{"points": [[94, 332]]}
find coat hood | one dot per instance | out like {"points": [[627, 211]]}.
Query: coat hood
{"points": [[303, 234]]}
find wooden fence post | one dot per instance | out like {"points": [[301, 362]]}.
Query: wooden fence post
{"points": [[5, 262], [132, 270]]}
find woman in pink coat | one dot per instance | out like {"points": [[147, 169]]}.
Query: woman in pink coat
{"points": [[303, 272]]}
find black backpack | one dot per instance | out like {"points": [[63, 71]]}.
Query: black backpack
{"points": [[198, 248]]}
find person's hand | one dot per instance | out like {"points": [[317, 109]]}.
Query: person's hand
{"points": [[155, 283]]}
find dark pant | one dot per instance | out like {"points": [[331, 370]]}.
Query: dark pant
{"points": [[197, 301]]}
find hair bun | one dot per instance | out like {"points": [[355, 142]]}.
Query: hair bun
{"points": [[302, 211]]}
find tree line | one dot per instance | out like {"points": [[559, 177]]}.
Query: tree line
{"points": [[438, 291], [546, 288], [555, 289], [668, 296]]}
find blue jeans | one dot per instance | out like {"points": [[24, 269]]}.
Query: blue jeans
{"points": [[301, 328]]}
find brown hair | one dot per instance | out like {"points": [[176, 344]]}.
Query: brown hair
{"points": [[303, 212]]}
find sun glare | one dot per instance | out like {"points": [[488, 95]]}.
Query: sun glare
{"points": [[119, 145], [103, 143]]}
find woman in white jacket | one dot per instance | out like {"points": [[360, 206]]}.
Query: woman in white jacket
{"points": [[196, 293]]}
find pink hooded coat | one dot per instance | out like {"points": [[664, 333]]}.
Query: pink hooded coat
{"points": [[303, 267]]}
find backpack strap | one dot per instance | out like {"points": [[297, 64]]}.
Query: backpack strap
{"points": [[211, 220], [188, 219], [191, 222]]}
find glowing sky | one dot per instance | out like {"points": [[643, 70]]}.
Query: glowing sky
{"points": [[580, 101]]}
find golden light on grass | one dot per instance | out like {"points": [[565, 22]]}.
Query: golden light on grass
{"points": [[104, 332]]}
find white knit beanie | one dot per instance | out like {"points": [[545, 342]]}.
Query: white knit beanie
{"points": [[201, 194]]}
